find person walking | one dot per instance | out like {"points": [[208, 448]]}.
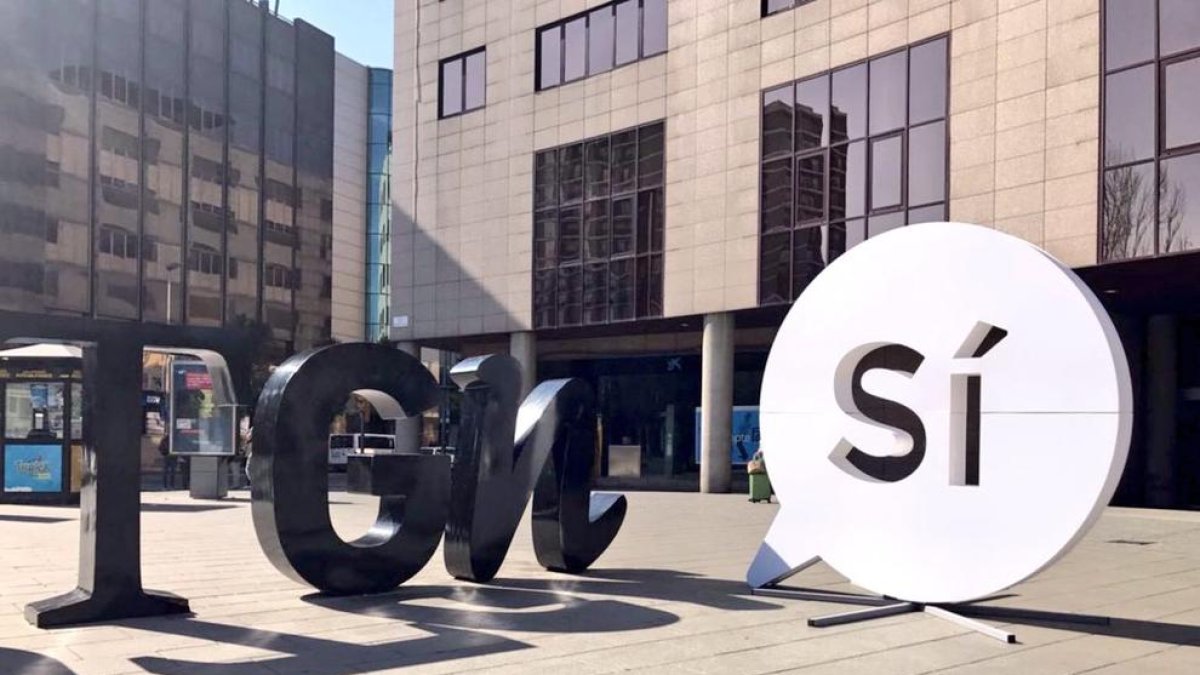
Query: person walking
{"points": [[170, 463]]}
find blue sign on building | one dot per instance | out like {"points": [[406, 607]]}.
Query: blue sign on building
{"points": [[746, 436], [33, 468]]}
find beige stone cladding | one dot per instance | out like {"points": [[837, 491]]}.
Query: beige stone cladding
{"points": [[349, 199], [1024, 133]]}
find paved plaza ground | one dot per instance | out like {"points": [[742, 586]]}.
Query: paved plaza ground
{"points": [[666, 598]]}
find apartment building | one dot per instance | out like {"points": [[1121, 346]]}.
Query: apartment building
{"points": [[633, 192]]}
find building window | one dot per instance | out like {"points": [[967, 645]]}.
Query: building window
{"points": [[847, 155], [277, 276], [598, 229], [1151, 132], [599, 40], [770, 7], [463, 84], [118, 242], [204, 259]]}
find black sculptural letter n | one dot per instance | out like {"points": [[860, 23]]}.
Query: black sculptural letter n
{"points": [[290, 472], [503, 454]]}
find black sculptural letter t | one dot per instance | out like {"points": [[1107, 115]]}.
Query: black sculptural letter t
{"points": [[290, 468]]}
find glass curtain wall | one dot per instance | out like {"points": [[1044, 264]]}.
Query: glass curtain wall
{"points": [[116, 231], [245, 161], [279, 230], [314, 183], [46, 81], [163, 145], [379, 210], [207, 174]]}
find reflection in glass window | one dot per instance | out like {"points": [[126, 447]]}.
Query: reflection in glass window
{"points": [[836, 170], [1129, 116], [1151, 139], [599, 229], [1129, 32], [1181, 99], [462, 86], [600, 39]]}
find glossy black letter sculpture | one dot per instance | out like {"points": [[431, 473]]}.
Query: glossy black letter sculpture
{"points": [[503, 453], [289, 472]]}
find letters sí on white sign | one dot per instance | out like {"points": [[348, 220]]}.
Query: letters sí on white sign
{"points": [[945, 412]]}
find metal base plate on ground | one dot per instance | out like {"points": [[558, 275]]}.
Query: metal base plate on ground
{"points": [[878, 607]]}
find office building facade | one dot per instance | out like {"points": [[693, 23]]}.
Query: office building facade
{"points": [[167, 162], [633, 192]]}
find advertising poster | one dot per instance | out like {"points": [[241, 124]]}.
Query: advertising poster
{"points": [[33, 468], [746, 437], [192, 405]]}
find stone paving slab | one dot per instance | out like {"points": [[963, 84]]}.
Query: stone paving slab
{"points": [[666, 598]]}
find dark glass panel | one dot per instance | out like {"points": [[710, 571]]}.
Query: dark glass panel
{"points": [[162, 282], [650, 220], [118, 147], [808, 257], [452, 87], [1179, 217], [545, 290], [775, 268], [643, 285], [476, 76], [1129, 116], [545, 179], [776, 204], [623, 226], [545, 239], [848, 111], [624, 161], [550, 55], [847, 181], [650, 156], [877, 225], [570, 295], [654, 24], [596, 244], [927, 164], [935, 213], [570, 173], [621, 289], [598, 180], [777, 122], [628, 43], [927, 94], [575, 49], [601, 46], [245, 153], [886, 172], [570, 235], [1128, 212], [1179, 25], [655, 287], [773, 6], [812, 113], [208, 213], [889, 92], [1129, 32], [810, 188], [595, 293], [659, 221], [841, 237], [1181, 101]]}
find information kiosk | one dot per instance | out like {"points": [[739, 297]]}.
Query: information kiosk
{"points": [[42, 420]]}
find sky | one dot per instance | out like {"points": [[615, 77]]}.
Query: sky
{"points": [[361, 29]]}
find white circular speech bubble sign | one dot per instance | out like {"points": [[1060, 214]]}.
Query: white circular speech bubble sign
{"points": [[945, 411]]}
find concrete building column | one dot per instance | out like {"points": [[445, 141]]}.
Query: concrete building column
{"points": [[408, 430], [523, 347], [1162, 388], [716, 402]]}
